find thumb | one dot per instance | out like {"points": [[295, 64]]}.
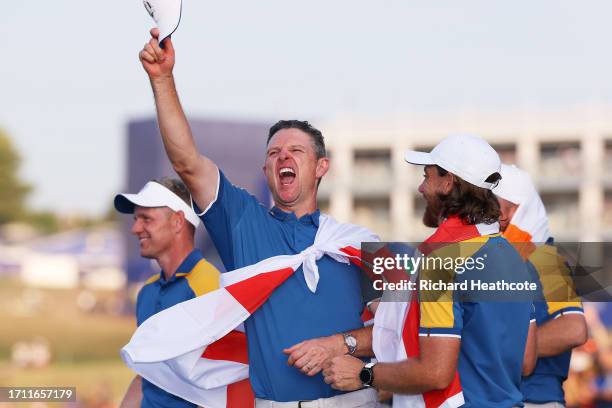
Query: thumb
{"points": [[167, 45]]}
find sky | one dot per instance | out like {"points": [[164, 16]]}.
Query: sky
{"points": [[70, 78]]}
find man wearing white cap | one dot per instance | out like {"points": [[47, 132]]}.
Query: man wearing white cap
{"points": [[164, 224], [560, 318], [490, 343]]}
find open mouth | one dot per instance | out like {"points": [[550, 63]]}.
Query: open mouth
{"points": [[286, 175]]}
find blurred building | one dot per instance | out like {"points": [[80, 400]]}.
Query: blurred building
{"points": [[569, 155], [237, 147], [88, 258]]}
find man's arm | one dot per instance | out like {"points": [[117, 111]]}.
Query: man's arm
{"points": [[310, 356], [133, 395], [198, 172], [561, 334], [530, 357], [434, 369]]}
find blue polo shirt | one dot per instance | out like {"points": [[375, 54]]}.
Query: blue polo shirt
{"points": [[493, 333], [194, 277], [545, 384], [246, 232]]}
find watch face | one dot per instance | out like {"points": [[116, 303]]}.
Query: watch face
{"points": [[366, 375], [351, 341]]}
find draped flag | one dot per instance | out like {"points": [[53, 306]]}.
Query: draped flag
{"points": [[196, 349], [396, 324]]}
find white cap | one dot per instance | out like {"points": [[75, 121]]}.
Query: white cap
{"points": [[466, 156], [154, 194], [167, 15], [515, 186]]}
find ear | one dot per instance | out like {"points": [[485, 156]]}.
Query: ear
{"points": [[512, 211], [178, 223], [322, 167], [447, 183]]}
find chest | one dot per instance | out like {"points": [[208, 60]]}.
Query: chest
{"points": [[156, 297], [255, 241]]}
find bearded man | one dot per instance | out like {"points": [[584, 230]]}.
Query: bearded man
{"points": [[450, 348]]}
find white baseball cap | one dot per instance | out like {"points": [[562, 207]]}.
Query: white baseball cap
{"points": [[154, 194], [467, 156], [515, 186], [167, 15]]}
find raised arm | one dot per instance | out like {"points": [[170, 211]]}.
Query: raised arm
{"points": [[197, 171]]}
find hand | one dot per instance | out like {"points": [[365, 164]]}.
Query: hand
{"points": [[311, 355], [342, 373], [157, 62]]}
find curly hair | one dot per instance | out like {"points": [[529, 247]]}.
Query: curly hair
{"points": [[474, 205]]}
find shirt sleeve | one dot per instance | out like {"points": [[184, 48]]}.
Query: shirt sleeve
{"points": [[557, 284], [223, 215], [139, 318], [441, 312]]}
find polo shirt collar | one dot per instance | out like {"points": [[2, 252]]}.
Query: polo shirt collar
{"points": [[184, 268], [312, 218]]}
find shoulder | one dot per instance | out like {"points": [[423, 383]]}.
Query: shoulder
{"points": [[203, 278], [152, 279]]}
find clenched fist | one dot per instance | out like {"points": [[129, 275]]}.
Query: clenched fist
{"points": [[157, 62]]}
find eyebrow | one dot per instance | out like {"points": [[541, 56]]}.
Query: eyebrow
{"points": [[290, 147]]}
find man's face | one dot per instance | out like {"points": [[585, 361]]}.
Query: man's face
{"points": [[154, 228], [292, 168], [507, 210], [432, 187]]}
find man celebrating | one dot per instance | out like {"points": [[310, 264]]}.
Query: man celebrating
{"points": [[164, 224], [245, 233], [485, 341], [560, 319]]}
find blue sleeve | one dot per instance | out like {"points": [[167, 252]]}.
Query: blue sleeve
{"points": [[139, 317], [223, 216]]}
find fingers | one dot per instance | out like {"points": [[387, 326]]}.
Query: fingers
{"points": [[295, 356], [152, 53], [154, 32], [292, 348], [314, 370], [309, 364], [153, 48], [144, 55]]}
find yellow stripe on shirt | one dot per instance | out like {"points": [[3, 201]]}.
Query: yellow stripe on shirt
{"points": [[203, 278]]}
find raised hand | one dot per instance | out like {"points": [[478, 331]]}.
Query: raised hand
{"points": [[157, 62]]}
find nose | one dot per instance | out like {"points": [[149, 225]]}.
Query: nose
{"points": [[284, 154], [422, 187], [137, 226]]}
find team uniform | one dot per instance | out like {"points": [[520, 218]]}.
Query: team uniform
{"points": [[493, 332], [194, 277], [545, 384], [245, 232]]}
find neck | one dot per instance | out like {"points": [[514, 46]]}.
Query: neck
{"points": [[299, 209], [172, 259]]}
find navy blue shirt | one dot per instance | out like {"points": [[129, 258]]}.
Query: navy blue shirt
{"points": [[246, 232], [194, 277]]}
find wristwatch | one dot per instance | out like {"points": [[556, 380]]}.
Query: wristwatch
{"points": [[351, 343], [366, 375]]}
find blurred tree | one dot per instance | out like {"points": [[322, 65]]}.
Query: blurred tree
{"points": [[13, 191]]}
